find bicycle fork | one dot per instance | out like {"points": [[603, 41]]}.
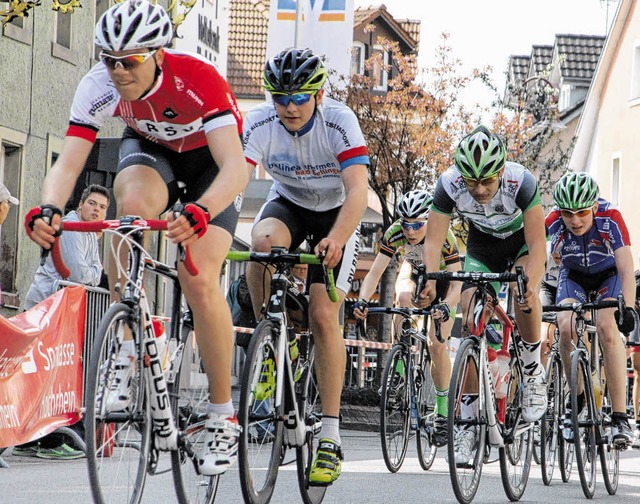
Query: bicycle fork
{"points": [[487, 401]]}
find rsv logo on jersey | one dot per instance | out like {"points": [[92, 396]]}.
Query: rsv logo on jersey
{"points": [[168, 131]]}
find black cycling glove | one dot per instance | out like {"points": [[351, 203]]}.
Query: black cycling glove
{"points": [[628, 323]]}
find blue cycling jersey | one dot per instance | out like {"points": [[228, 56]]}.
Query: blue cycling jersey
{"points": [[592, 252]]}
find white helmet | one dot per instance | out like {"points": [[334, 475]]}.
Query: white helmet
{"points": [[134, 24]]}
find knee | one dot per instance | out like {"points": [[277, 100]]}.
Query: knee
{"points": [[404, 299]]}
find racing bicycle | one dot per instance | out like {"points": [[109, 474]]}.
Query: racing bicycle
{"points": [[493, 422], [168, 407], [280, 404], [591, 416], [407, 395]]}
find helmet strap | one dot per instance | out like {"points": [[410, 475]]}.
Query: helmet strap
{"points": [[156, 75]]}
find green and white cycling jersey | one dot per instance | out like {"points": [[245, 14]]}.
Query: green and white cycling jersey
{"points": [[394, 241], [503, 215]]}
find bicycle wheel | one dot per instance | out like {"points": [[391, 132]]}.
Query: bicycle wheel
{"points": [[515, 456], [311, 410], [426, 407], [189, 392], [260, 417], [583, 423], [537, 455], [565, 450], [609, 455], [395, 408], [465, 475], [117, 443], [551, 439]]}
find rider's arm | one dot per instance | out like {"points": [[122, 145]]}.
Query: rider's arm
{"points": [[535, 237], [355, 179], [624, 264], [226, 149], [372, 279], [59, 183], [437, 229]]}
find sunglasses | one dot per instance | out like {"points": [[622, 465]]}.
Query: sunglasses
{"points": [[583, 212], [472, 183], [126, 62], [297, 99], [412, 225]]}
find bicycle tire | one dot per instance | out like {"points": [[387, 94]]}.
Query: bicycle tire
{"points": [[426, 400], [537, 446], [395, 408], [550, 426], [465, 477], [609, 455], [566, 451], [189, 393], [260, 453], [117, 453], [583, 423], [515, 457], [311, 411]]}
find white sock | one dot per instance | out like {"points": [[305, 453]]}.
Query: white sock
{"points": [[468, 406], [221, 409], [531, 359], [330, 428]]}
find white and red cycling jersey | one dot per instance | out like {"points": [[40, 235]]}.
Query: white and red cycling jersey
{"points": [[189, 99]]}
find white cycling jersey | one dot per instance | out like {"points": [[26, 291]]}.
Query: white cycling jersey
{"points": [[306, 165], [503, 215]]}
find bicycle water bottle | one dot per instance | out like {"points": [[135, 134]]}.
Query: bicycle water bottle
{"points": [[293, 344], [598, 386], [500, 371], [414, 412]]}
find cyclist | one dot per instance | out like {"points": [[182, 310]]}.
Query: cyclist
{"points": [[314, 149], [548, 290], [593, 243], [181, 142], [502, 203], [406, 237]]}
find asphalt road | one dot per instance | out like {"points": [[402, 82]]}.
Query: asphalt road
{"points": [[364, 479]]}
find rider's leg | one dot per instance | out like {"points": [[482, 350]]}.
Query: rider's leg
{"points": [[265, 234]]}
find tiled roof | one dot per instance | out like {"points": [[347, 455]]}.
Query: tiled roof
{"points": [[519, 68], [248, 24], [541, 56], [579, 54], [406, 29]]}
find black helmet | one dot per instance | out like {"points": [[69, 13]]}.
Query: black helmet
{"points": [[294, 71]]}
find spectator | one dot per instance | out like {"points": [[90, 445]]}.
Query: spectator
{"points": [[79, 250], [81, 253], [6, 200], [299, 276]]}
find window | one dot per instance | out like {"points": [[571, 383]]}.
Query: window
{"points": [[19, 28], [379, 70], [635, 76], [63, 29], [101, 8], [357, 59], [10, 175], [615, 180], [564, 101]]}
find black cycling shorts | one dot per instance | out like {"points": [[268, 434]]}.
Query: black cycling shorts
{"points": [[305, 224], [188, 174]]}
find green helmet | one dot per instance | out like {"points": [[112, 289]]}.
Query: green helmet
{"points": [[480, 154], [294, 71], [575, 191], [415, 205]]}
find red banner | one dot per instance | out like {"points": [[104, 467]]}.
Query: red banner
{"points": [[41, 367]]}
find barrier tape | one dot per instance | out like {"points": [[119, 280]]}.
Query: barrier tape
{"points": [[348, 342]]}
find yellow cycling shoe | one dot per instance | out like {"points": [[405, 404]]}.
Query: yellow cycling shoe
{"points": [[327, 465], [266, 385]]}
